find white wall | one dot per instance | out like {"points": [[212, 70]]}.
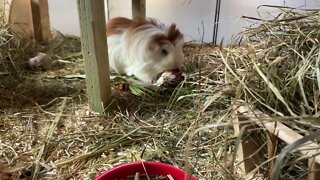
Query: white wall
{"points": [[232, 10], [189, 15], [64, 16]]}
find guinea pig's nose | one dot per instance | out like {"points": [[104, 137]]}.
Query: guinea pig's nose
{"points": [[175, 70]]}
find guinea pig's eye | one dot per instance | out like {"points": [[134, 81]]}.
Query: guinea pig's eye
{"points": [[164, 52]]}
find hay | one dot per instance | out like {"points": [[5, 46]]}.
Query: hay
{"points": [[278, 66], [48, 131], [276, 70], [83, 144]]}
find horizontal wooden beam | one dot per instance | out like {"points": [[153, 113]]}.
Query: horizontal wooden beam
{"points": [[282, 131]]}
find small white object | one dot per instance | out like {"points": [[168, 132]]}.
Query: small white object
{"points": [[40, 61], [165, 77]]}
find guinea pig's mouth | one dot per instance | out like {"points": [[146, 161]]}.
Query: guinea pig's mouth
{"points": [[176, 72], [174, 76], [180, 76]]}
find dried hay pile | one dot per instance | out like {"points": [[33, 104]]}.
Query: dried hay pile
{"points": [[48, 132], [276, 70]]}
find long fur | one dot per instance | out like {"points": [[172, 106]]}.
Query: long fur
{"points": [[143, 47]]}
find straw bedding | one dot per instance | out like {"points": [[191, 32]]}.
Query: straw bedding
{"points": [[48, 131]]}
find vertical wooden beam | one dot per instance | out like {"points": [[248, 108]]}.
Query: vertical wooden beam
{"points": [[2, 10], [314, 169], [40, 19], [3, 18], [138, 8], [272, 144], [247, 147], [95, 52], [20, 18]]}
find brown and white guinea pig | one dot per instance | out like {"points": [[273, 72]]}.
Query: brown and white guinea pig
{"points": [[144, 48]]}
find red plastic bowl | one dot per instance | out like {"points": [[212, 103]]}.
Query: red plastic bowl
{"points": [[151, 168]]}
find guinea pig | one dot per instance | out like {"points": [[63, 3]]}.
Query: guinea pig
{"points": [[143, 47]]}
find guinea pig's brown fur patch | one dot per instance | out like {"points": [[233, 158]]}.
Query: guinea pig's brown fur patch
{"points": [[119, 25], [172, 37]]}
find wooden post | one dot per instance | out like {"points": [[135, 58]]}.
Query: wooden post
{"points": [[272, 144], [40, 18], [2, 11], [314, 169], [138, 8], [247, 148], [95, 52], [20, 18]]}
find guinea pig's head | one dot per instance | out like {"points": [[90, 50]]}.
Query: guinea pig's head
{"points": [[165, 50], [154, 48]]}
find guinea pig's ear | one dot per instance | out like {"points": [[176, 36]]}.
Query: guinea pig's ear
{"points": [[174, 34]]}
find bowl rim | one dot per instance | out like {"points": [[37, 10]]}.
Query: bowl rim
{"points": [[124, 166]]}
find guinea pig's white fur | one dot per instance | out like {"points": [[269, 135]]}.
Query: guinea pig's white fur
{"points": [[143, 48]]}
